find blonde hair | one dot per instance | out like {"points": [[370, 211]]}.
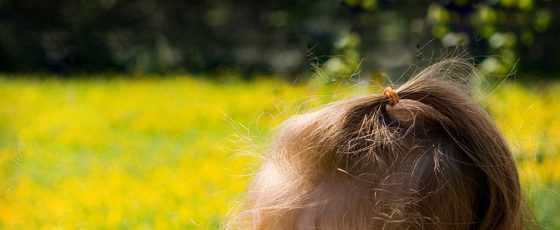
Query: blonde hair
{"points": [[432, 159]]}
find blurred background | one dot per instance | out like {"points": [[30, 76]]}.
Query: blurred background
{"points": [[272, 37], [151, 114]]}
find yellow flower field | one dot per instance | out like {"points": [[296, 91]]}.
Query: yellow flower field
{"points": [[176, 152]]}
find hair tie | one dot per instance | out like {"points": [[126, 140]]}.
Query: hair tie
{"points": [[392, 95]]}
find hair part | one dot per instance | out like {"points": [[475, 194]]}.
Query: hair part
{"points": [[433, 159]]}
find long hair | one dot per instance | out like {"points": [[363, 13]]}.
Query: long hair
{"points": [[432, 160]]}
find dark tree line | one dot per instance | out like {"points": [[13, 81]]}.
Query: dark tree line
{"points": [[271, 37]]}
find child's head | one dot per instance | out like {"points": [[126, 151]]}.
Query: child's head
{"points": [[432, 160]]}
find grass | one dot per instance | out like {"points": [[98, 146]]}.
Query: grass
{"points": [[169, 153]]}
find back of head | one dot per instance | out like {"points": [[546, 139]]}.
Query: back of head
{"points": [[432, 160]]}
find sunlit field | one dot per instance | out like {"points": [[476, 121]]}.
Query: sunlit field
{"points": [[176, 153]]}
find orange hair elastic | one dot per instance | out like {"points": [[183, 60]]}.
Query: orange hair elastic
{"points": [[392, 95]]}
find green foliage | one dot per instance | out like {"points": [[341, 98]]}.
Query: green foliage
{"points": [[270, 36], [364, 4], [345, 61]]}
